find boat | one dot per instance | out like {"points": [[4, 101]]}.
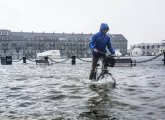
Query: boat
{"points": [[52, 54], [118, 53], [136, 52]]}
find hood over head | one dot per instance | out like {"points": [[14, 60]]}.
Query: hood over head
{"points": [[104, 26]]}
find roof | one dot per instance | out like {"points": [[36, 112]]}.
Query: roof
{"points": [[145, 44], [114, 37], [118, 37]]}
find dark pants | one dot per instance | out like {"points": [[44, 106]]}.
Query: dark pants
{"points": [[94, 64], [106, 61]]}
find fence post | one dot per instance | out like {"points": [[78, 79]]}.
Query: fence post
{"points": [[3, 60], [164, 58], [24, 59], [46, 58], [8, 60], [73, 60], [131, 63]]}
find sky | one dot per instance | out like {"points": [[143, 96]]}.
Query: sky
{"points": [[140, 21]]}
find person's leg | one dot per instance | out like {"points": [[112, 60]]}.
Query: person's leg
{"points": [[94, 64], [104, 62]]}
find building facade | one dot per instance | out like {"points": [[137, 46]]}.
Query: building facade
{"points": [[28, 44], [149, 48]]}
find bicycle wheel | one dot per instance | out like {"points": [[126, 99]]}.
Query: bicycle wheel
{"points": [[106, 76]]}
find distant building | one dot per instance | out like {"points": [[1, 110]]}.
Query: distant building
{"points": [[149, 48], [119, 42], [28, 44], [162, 48]]}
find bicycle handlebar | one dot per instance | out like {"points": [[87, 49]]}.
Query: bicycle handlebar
{"points": [[108, 60], [105, 54]]}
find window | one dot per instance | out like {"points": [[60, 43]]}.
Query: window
{"points": [[62, 48], [143, 47]]}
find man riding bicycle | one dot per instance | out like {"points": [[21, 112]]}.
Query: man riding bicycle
{"points": [[98, 43]]}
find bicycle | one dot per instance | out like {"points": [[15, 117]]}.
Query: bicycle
{"points": [[107, 61]]}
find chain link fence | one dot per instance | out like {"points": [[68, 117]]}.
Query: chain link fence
{"points": [[134, 62], [151, 59]]}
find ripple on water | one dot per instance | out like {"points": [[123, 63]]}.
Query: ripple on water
{"points": [[2, 111], [55, 97], [154, 84], [54, 92], [131, 89], [24, 97], [26, 104], [13, 95], [133, 76], [76, 96], [150, 77], [46, 76], [144, 97], [17, 88], [21, 79]]}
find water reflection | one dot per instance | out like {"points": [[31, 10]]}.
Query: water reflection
{"points": [[100, 105]]}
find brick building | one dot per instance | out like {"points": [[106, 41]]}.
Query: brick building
{"points": [[19, 44]]}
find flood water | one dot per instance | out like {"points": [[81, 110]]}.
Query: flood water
{"points": [[63, 92]]}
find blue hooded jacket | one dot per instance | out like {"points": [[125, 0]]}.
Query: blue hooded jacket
{"points": [[100, 41]]}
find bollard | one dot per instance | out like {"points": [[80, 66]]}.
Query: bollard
{"points": [[46, 58], [3, 60], [131, 63], [73, 60], [24, 59], [8, 60], [164, 58]]}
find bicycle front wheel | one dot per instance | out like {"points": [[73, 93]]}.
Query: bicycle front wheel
{"points": [[107, 77]]}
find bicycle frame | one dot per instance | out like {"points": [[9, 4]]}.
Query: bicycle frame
{"points": [[104, 71]]}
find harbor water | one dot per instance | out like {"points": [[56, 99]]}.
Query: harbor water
{"points": [[63, 92]]}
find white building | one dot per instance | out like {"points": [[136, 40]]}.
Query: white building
{"points": [[149, 48], [162, 48]]}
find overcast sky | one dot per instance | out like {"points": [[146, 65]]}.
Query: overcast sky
{"points": [[140, 21]]}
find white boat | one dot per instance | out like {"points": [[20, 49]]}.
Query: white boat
{"points": [[52, 54], [118, 53], [136, 52]]}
